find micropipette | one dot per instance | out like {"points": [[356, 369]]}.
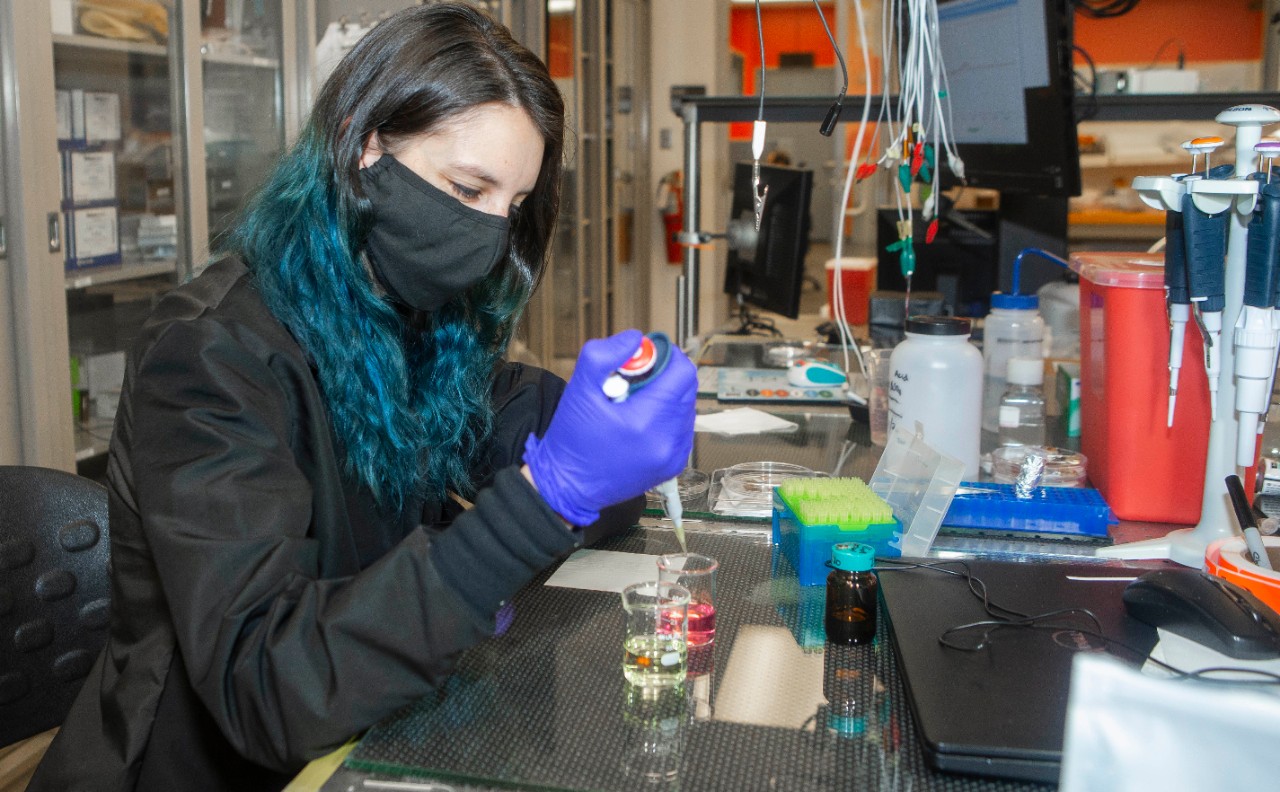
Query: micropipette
{"points": [[1268, 150], [1178, 297], [1255, 331], [1206, 242], [641, 368]]}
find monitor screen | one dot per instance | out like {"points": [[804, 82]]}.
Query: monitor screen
{"points": [[962, 263], [766, 267], [1011, 89]]}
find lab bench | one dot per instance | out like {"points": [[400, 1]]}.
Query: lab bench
{"points": [[545, 706]]}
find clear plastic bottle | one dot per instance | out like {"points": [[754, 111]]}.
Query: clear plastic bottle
{"points": [[936, 382], [1060, 309], [1022, 406], [851, 594], [1013, 329]]}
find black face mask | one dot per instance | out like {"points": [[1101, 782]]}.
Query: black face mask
{"points": [[425, 246]]}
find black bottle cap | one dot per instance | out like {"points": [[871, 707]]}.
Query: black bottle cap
{"points": [[937, 325]]}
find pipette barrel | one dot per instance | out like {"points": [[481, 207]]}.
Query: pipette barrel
{"points": [[1175, 259], [1179, 298], [1206, 247]]}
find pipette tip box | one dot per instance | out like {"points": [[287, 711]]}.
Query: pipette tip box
{"points": [[812, 515]]}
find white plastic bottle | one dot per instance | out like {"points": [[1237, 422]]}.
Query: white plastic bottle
{"points": [[1022, 406], [936, 381], [1013, 329]]}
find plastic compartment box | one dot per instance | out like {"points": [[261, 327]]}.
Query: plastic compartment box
{"points": [[1145, 470], [1047, 510]]}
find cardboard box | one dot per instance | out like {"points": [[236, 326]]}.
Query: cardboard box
{"points": [[95, 116], [88, 178], [62, 106], [93, 237]]}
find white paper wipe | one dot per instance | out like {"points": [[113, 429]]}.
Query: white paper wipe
{"points": [[604, 570], [743, 420]]}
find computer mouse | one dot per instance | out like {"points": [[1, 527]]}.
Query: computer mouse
{"points": [[805, 373], [1206, 609]]}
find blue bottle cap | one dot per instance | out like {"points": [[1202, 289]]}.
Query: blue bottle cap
{"points": [[1016, 302], [853, 557]]}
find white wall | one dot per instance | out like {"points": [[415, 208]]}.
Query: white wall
{"points": [[690, 42]]}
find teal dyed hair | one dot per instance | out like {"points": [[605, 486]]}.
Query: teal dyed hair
{"points": [[408, 395]]}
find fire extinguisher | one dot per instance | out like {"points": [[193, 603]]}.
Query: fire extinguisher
{"points": [[670, 203]]}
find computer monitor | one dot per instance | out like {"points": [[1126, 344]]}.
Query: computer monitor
{"points": [[766, 267], [1011, 89], [962, 263]]}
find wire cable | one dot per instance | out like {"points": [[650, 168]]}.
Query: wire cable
{"points": [[1002, 617], [760, 37], [833, 115]]}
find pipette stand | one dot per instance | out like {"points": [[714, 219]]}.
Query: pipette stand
{"points": [[1238, 195]]}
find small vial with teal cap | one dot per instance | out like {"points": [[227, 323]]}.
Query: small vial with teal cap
{"points": [[851, 594]]}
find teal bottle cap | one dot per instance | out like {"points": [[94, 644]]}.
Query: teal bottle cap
{"points": [[853, 557]]}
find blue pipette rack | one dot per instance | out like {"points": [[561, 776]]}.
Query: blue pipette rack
{"points": [[1068, 511]]}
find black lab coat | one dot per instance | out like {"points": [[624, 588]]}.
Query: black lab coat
{"points": [[264, 609]]}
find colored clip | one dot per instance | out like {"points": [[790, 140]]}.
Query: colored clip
{"points": [[906, 256], [931, 231], [917, 159], [865, 170], [904, 177]]}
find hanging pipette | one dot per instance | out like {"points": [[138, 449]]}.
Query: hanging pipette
{"points": [[1206, 242], [1255, 331], [1268, 150], [642, 367], [1178, 297], [1177, 294]]}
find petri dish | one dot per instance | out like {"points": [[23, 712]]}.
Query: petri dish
{"points": [[1062, 468], [754, 481], [692, 484]]}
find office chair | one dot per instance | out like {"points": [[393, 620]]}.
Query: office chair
{"points": [[54, 594]]}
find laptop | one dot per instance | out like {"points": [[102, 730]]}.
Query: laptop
{"points": [[1000, 711]]}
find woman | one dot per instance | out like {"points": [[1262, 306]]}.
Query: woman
{"points": [[302, 421]]}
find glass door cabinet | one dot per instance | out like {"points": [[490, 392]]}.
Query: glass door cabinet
{"points": [[140, 136]]}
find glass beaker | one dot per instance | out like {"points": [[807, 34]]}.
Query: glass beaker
{"points": [[697, 573], [655, 646]]}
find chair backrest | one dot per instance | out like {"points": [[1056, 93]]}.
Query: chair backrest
{"points": [[54, 594]]}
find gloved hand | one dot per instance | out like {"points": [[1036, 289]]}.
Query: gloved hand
{"points": [[597, 452]]}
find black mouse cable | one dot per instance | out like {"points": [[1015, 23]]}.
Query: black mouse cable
{"points": [[1001, 616], [1037, 622]]}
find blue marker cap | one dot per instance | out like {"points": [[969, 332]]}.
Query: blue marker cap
{"points": [[853, 557], [1017, 302]]}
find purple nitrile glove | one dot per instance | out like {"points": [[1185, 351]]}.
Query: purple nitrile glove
{"points": [[598, 452], [503, 618]]}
